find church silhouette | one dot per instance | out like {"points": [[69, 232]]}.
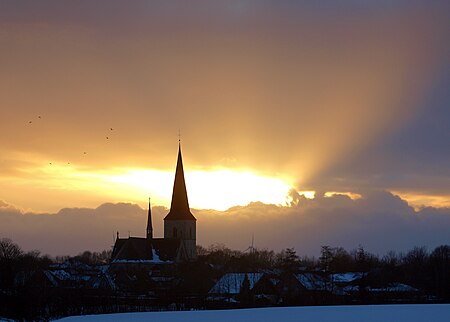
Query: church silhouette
{"points": [[179, 242]]}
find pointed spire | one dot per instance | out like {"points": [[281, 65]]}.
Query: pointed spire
{"points": [[149, 221], [179, 209]]}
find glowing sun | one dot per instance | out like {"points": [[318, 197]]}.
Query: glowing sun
{"points": [[217, 189]]}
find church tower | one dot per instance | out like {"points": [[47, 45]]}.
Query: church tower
{"points": [[179, 222]]}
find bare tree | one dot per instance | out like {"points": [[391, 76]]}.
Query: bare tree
{"points": [[9, 250]]}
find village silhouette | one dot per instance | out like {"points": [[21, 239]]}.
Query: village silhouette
{"points": [[174, 273]]}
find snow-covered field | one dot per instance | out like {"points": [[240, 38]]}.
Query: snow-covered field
{"points": [[362, 313]]}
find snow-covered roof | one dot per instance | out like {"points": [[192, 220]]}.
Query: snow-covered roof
{"points": [[51, 278], [105, 278], [71, 264], [155, 257], [60, 274], [346, 277], [312, 282], [231, 283]]}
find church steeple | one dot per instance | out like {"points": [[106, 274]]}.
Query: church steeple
{"points": [[179, 208], [149, 221], [180, 223]]}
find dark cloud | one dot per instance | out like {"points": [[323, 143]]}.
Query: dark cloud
{"points": [[71, 229], [379, 221]]}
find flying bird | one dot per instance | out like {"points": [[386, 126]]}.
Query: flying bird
{"points": [[39, 117], [111, 129], [30, 122], [107, 138], [84, 152]]}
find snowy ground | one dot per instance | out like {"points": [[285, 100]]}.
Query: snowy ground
{"points": [[362, 313]]}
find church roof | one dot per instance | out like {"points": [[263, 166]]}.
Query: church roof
{"points": [[167, 249], [144, 249], [179, 208], [132, 248]]}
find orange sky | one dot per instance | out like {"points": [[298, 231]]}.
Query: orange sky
{"points": [[277, 96]]}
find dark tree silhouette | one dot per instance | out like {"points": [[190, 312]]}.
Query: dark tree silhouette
{"points": [[245, 295], [440, 264], [288, 260], [9, 250], [326, 257], [9, 254]]}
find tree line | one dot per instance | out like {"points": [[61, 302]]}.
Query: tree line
{"points": [[187, 284]]}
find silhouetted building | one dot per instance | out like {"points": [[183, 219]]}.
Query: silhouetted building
{"points": [[179, 242], [179, 222], [250, 288]]}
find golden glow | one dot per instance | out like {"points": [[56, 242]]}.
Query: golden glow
{"points": [[65, 185], [351, 195], [143, 184], [214, 189], [307, 194], [419, 200], [219, 189], [225, 188]]}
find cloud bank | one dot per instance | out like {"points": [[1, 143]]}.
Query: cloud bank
{"points": [[380, 221]]}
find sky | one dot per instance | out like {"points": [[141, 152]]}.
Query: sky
{"points": [[344, 101]]}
